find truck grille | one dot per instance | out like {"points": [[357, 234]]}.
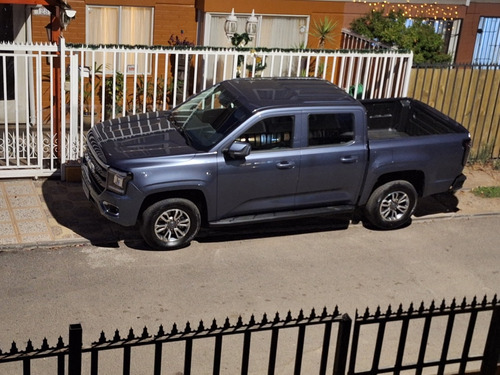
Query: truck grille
{"points": [[95, 162]]}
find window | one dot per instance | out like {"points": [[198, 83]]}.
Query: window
{"points": [[487, 48], [331, 129], [121, 25], [272, 31], [270, 133]]}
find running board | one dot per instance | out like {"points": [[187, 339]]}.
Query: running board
{"points": [[284, 215]]}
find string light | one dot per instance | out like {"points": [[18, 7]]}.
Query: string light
{"points": [[423, 11]]}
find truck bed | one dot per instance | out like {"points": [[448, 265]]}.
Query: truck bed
{"points": [[398, 118]]}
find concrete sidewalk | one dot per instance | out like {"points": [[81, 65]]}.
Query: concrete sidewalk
{"points": [[50, 212]]}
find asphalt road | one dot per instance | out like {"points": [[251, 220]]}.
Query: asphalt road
{"points": [[265, 269]]}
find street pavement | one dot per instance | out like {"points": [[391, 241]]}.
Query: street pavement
{"points": [[51, 212]]}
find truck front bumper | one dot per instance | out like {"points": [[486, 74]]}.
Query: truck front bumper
{"points": [[121, 209]]}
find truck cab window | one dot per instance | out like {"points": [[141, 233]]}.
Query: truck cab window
{"points": [[330, 129], [270, 133]]}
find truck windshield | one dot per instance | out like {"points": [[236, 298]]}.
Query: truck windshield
{"points": [[208, 117]]}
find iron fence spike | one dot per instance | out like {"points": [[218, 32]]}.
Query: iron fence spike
{"points": [[367, 314], [264, 319], [288, 316], [239, 323], [485, 301], [301, 315], [174, 329], [45, 344], [188, 328], [276, 317], [13, 348], [453, 304], [389, 311], [145, 333], [102, 338], [411, 307], [324, 314], [131, 335], [400, 310], [214, 325], [336, 311], [464, 304], [116, 337], [356, 314], [474, 302], [201, 327], [313, 314], [443, 305], [252, 320], [494, 300], [60, 343], [377, 312], [1, 352], [29, 347], [421, 308], [432, 307], [227, 324], [161, 332]]}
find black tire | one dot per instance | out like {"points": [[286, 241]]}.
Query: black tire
{"points": [[170, 224], [391, 205]]}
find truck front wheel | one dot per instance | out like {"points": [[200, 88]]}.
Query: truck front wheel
{"points": [[170, 224], [391, 205]]}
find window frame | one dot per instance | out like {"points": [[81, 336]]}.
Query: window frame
{"points": [[119, 65]]}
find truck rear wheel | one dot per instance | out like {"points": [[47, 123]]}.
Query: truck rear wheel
{"points": [[170, 224], [391, 205]]}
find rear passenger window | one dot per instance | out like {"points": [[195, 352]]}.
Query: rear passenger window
{"points": [[331, 129], [270, 133]]}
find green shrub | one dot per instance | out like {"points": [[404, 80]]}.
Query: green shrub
{"points": [[487, 191]]}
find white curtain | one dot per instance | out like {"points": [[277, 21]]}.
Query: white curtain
{"points": [[120, 25]]}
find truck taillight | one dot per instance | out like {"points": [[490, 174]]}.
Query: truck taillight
{"points": [[467, 144]]}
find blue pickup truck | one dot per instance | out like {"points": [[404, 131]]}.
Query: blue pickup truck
{"points": [[267, 149]]}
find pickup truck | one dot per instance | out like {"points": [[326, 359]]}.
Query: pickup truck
{"points": [[266, 149]]}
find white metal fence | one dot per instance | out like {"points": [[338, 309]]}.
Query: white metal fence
{"points": [[100, 82]]}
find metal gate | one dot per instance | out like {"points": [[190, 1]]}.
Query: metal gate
{"points": [[52, 94], [27, 130]]}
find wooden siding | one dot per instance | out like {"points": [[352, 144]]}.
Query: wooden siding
{"points": [[467, 93]]}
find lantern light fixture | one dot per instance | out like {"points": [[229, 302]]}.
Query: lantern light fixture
{"points": [[231, 24], [251, 26]]}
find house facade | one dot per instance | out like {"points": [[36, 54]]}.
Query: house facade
{"points": [[471, 28]]}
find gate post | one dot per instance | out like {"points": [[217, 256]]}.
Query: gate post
{"points": [[491, 356], [340, 362], [75, 349]]}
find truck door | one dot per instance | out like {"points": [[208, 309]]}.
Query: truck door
{"points": [[333, 159], [266, 180]]}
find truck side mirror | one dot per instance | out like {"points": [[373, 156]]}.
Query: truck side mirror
{"points": [[239, 150]]}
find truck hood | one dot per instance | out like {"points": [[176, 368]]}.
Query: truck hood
{"points": [[139, 136]]}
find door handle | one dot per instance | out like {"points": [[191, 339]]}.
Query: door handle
{"points": [[349, 159], [285, 165]]}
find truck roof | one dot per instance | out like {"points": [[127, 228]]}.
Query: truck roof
{"points": [[262, 93]]}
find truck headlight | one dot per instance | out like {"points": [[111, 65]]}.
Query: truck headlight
{"points": [[117, 181]]}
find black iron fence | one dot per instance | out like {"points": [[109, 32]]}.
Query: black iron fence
{"points": [[334, 325]]}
